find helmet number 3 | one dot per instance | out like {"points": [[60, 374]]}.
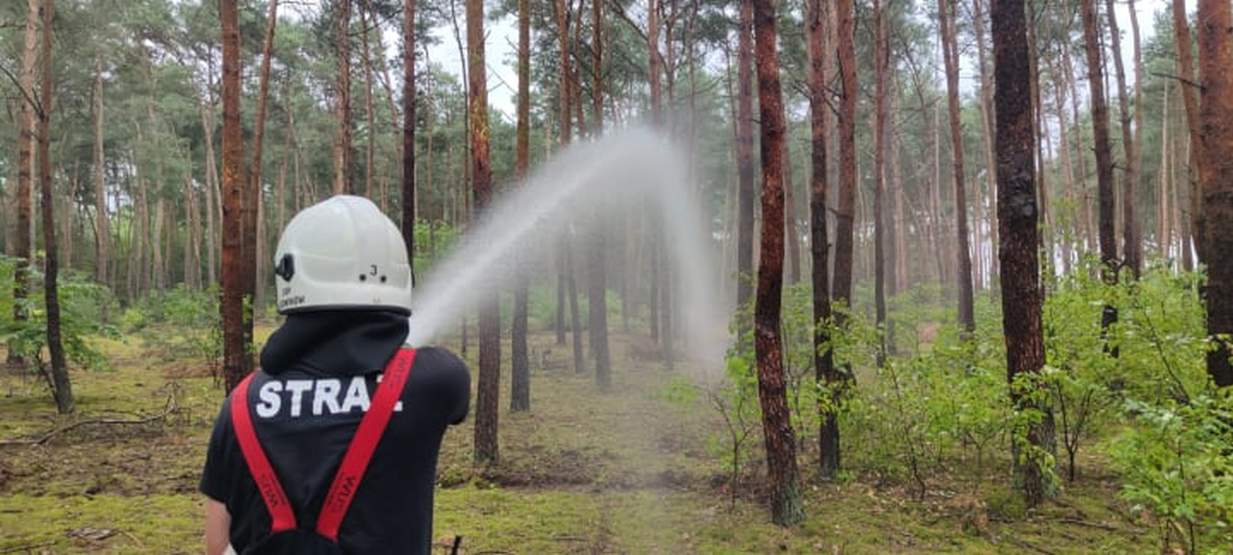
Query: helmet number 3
{"points": [[373, 271]]}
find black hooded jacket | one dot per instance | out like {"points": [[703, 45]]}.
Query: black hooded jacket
{"points": [[319, 372]]}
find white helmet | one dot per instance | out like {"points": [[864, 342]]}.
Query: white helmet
{"points": [[342, 254]]}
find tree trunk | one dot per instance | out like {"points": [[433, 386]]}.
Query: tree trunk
{"points": [[790, 231], [342, 99], [62, 388], [881, 61], [211, 191], [102, 223], [1019, 237], [823, 367], [1059, 95], [408, 133], [156, 242], [950, 48], [235, 348], [251, 209], [192, 250], [596, 257], [1163, 239], [1216, 128], [488, 396], [369, 113], [561, 11], [25, 169], [780, 440], [1130, 177], [744, 156], [987, 113], [520, 379], [1136, 151], [1183, 43], [1104, 162], [844, 216], [841, 286]]}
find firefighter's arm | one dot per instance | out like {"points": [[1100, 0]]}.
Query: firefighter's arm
{"points": [[217, 526]]}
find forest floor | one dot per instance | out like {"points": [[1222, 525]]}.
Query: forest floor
{"points": [[630, 471]]}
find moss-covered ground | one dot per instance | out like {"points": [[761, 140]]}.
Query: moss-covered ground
{"points": [[628, 471]]}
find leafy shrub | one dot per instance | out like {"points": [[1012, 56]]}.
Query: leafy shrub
{"points": [[1178, 464], [178, 322], [82, 303]]}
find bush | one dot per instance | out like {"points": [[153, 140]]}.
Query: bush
{"points": [[82, 305]]}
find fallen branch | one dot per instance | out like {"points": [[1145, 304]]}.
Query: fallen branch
{"points": [[1096, 525], [28, 548], [1026, 545], [169, 409]]}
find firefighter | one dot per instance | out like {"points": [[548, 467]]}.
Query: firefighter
{"points": [[331, 446]]}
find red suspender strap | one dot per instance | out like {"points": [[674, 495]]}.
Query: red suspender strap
{"points": [[258, 464], [372, 427]]}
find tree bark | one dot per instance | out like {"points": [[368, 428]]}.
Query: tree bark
{"points": [[211, 191], [780, 440], [25, 168], [62, 388], [102, 222], [1130, 177], [596, 256], [235, 348], [967, 316], [1216, 128], [369, 113], [1136, 150], [823, 363], [520, 379], [987, 113], [1183, 43], [342, 98], [1104, 162], [488, 396], [1019, 235], [744, 155], [251, 209], [790, 231], [561, 11], [881, 61], [408, 133], [842, 284]]}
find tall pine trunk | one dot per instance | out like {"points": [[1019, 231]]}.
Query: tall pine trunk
{"points": [[841, 287], [342, 99], [744, 156], [488, 396], [881, 61], [252, 249], [777, 430], [823, 366], [1183, 43], [1130, 176], [212, 191], [62, 388], [520, 378], [102, 223], [408, 133], [1019, 236], [235, 348], [1216, 115], [596, 256], [950, 49], [1104, 161], [25, 169]]}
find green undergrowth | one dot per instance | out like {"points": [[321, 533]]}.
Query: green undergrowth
{"points": [[631, 471]]}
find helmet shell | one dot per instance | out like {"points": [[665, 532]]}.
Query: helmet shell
{"points": [[342, 254]]}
